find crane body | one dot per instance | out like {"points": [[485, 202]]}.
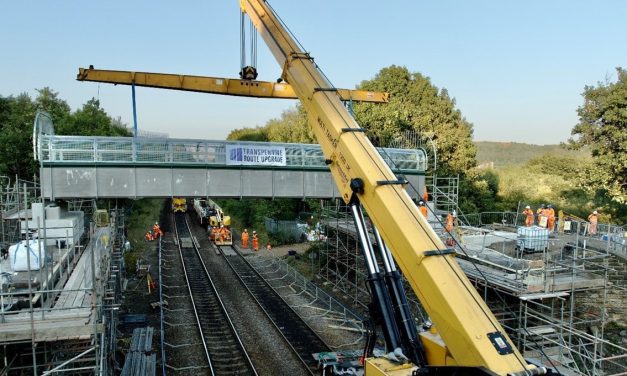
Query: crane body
{"points": [[465, 332]]}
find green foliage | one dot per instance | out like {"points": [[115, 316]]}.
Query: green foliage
{"points": [[16, 127], [259, 134], [603, 127], [143, 215], [292, 126], [500, 154], [16, 149], [416, 104], [556, 180], [91, 120]]}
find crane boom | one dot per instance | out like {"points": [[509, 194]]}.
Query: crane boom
{"points": [[470, 333], [215, 85]]}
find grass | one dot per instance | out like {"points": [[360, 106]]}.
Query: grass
{"points": [[144, 214]]}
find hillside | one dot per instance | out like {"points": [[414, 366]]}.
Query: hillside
{"points": [[513, 153]]}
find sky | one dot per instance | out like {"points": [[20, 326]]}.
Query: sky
{"points": [[515, 68]]}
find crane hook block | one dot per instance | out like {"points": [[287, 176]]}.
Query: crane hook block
{"points": [[248, 73]]}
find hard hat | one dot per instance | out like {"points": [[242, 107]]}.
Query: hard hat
{"points": [[254, 232], [527, 207], [156, 223], [595, 212], [245, 230], [221, 226]]}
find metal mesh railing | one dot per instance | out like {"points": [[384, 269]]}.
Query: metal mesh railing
{"points": [[75, 149]]}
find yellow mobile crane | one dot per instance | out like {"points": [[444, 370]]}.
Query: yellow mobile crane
{"points": [[465, 338]]}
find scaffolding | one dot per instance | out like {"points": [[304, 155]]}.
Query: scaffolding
{"points": [[554, 302], [60, 319]]}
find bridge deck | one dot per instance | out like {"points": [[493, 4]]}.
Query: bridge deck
{"points": [[75, 166]]}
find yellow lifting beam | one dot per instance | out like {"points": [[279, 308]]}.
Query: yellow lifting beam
{"points": [[215, 85]]}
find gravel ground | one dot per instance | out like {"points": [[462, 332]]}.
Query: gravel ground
{"points": [[266, 347]]}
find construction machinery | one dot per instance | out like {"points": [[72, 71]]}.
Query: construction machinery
{"points": [[219, 228], [179, 205], [464, 337], [202, 210]]}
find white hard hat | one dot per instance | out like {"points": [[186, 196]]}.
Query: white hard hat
{"points": [[595, 212], [254, 232], [527, 207], [245, 230]]}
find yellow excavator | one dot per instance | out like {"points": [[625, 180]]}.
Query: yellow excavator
{"points": [[464, 337]]}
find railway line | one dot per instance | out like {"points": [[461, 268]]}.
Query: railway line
{"points": [[301, 338], [223, 349]]}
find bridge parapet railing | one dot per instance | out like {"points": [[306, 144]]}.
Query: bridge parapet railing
{"points": [[121, 150]]}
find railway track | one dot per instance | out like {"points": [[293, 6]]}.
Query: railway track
{"points": [[300, 337], [223, 348]]}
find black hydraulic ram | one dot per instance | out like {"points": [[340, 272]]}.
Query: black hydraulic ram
{"points": [[380, 298], [409, 335]]}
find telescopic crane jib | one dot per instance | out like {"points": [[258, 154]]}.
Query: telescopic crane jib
{"points": [[465, 332]]}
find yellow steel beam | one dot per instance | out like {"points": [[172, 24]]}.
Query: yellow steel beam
{"points": [[215, 85]]}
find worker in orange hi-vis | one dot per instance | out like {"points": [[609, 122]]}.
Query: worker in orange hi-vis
{"points": [[157, 230], [225, 233], [245, 239], [148, 236], [425, 195], [255, 242], [550, 223], [269, 248], [423, 208], [594, 220], [528, 216], [541, 218], [449, 222]]}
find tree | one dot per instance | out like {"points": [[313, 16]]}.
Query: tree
{"points": [[91, 120], [603, 127], [16, 127], [416, 104], [292, 126], [48, 100]]}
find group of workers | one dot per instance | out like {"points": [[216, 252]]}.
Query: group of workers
{"points": [[245, 238], [255, 242], [155, 234], [222, 233], [545, 214], [546, 218]]}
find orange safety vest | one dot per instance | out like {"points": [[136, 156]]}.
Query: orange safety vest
{"points": [[245, 240], [529, 218], [423, 210], [148, 236], [255, 243], [224, 233], [449, 222], [551, 221]]}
